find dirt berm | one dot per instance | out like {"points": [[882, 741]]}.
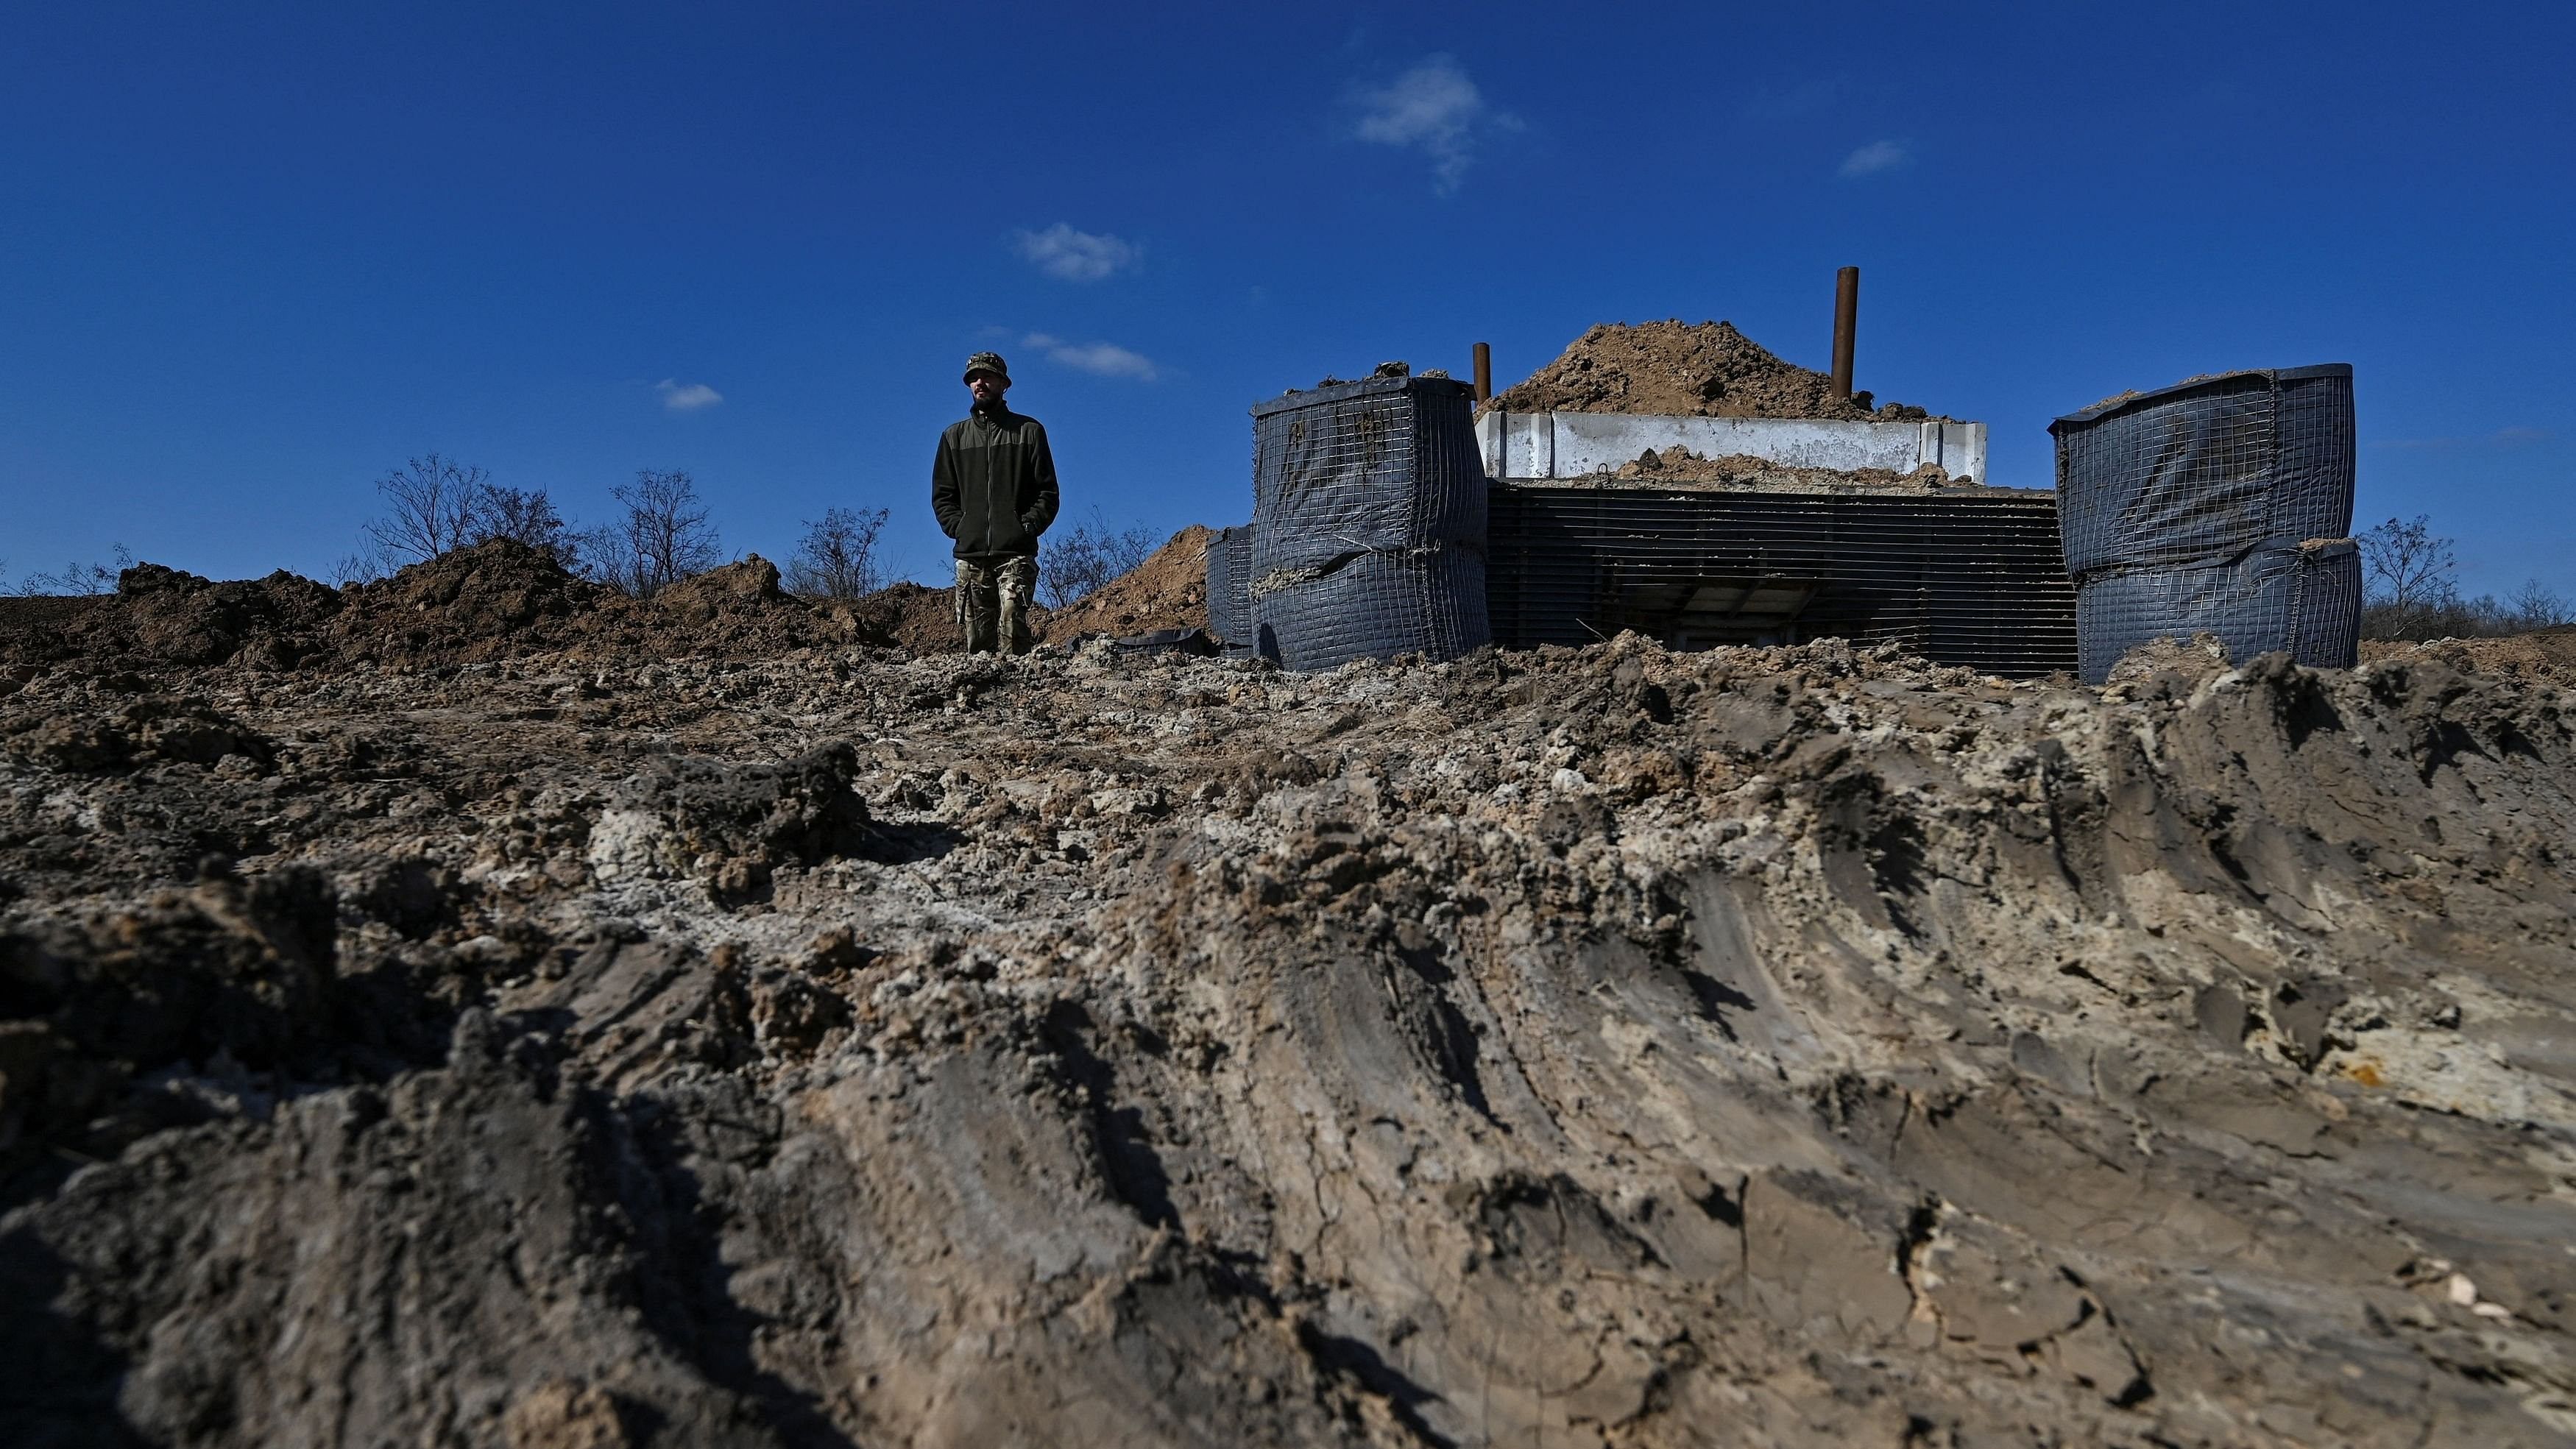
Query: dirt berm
{"points": [[1679, 369], [505, 601], [1788, 1047]]}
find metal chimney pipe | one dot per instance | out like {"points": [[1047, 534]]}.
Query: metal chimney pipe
{"points": [[1484, 373], [1846, 322]]}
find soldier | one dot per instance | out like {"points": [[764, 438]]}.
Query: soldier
{"points": [[993, 487]]}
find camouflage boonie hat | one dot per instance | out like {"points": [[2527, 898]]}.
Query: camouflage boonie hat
{"points": [[988, 362]]}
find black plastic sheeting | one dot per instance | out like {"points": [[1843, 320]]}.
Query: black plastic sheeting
{"points": [[1428, 601], [1963, 577], [1389, 464], [2186, 510], [1229, 588], [2303, 600]]}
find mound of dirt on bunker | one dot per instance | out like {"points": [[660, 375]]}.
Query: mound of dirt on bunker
{"points": [[1676, 369], [1678, 467], [1167, 591], [1590, 1046]]}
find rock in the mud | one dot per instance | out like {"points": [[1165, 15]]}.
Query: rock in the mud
{"points": [[228, 972], [733, 825], [151, 730]]}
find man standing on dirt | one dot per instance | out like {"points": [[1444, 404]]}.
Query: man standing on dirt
{"points": [[993, 487]]}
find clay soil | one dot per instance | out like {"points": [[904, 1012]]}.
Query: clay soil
{"points": [[1678, 467], [1167, 591], [2547, 656], [1677, 369], [503, 601], [803, 1041]]}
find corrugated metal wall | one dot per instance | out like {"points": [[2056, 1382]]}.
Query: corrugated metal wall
{"points": [[1964, 578]]}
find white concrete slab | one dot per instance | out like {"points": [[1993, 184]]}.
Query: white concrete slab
{"points": [[1570, 445]]}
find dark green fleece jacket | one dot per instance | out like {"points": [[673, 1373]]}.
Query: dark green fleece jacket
{"points": [[993, 484]]}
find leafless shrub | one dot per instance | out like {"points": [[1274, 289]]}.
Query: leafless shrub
{"points": [[2537, 606], [78, 578], [433, 504], [525, 516], [837, 557], [664, 537], [1088, 557], [521, 515], [2407, 566], [2410, 593]]}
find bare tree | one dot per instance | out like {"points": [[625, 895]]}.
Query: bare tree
{"points": [[79, 579], [433, 504], [664, 537], [2409, 568], [1091, 555], [837, 557], [2537, 606], [524, 516]]}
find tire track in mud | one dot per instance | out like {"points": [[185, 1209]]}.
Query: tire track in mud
{"points": [[1788, 1046]]}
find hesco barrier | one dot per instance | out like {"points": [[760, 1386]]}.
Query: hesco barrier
{"points": [[1368, 505], [2186, 509], [1362, 467], [2304, 600], [1968, 578], [1229, 588], [1429, 601]]}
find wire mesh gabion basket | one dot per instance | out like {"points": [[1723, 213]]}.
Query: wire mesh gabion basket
{"points": [[1229, 588], [2209, 506], [1390, 463], [1428, 601], [1369, 516]]}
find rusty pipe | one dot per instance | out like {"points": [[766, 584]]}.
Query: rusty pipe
{"points": [[1846, 322], [1484, 373]]}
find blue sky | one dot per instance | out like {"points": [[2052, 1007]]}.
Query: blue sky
{"points": [[254, 256]]}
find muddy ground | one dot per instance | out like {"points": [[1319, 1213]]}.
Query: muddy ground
{"points": [[588, 1046], [1678, 369]]}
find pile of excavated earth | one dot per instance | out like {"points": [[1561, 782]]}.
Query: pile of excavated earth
{"points": [[486, 1013], [502, 600], [1678, 369], [1677, 467]]}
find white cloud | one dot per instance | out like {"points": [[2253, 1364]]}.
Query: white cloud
{"points": [[687, 397], [1099, 358], [1875, 157], [1078, 256], [1436, 109]]}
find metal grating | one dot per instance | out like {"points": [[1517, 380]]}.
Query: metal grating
{"points": [[1229, 588], [1387, 464], [2204, 472], [2303, 600], [1429, 601], [2325, 605], [1971, 579], [2214, 506]]}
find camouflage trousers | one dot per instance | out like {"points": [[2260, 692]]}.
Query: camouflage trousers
{"points": [[993, 603]]}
